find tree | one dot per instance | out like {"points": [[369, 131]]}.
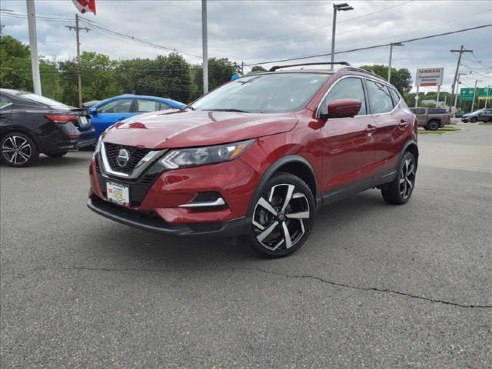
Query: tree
{"points": [[15, 67], [258, 68], [165, 76], [400, 78], [220, 71], [98, 78]]}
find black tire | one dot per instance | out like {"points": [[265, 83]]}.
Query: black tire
{"points": [[18, 150], [433, 125], [57, 154], [400, 190], [473, 120], [274, 230], [425, 127]]}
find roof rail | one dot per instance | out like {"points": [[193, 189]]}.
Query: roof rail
{"points": [[359, 70], [276, 67]]}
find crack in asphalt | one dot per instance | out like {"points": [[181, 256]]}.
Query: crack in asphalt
{"points": [[293, 276]]}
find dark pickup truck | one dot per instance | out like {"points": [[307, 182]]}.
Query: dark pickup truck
{"points": [[432, 118]]}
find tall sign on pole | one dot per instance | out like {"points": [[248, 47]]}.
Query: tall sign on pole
{"points": [[429, 77], [33, 44]]}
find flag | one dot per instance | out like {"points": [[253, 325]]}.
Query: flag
{"points": [[85, 5]]}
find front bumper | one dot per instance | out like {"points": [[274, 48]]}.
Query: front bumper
{"points": [[150, 222]]}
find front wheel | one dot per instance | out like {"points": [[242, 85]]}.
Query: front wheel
{"points": [[18, 150], [473, 120], [282, 216], [399, 191]]}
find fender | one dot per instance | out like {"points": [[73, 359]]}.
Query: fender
{"points": [[274, 168]]}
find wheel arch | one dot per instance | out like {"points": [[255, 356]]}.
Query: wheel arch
{"points": [[293, 164], [411, 147], [5, 130]]}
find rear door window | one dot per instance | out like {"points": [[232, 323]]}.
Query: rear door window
{"points": [[146, 106], [380, 98]]}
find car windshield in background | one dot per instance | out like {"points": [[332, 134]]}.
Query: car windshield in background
{"points": [[45, 101], [267, 93]]}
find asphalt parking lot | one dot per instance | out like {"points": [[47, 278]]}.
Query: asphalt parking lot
{"points": [[376, 286]]}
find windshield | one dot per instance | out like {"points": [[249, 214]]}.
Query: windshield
{"points": [[266, 93], [45, 100]]}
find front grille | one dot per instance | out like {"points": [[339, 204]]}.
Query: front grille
{"points": [[136, 154]]}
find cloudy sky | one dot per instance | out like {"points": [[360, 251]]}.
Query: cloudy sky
{"points": [[254, 31]]}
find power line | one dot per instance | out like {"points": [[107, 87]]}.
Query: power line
{"points": [[136, 39], [371, 47]]}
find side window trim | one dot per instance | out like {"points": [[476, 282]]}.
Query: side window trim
{"points": [[318, 109]]}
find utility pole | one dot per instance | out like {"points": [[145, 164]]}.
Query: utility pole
{"points": [[336, 8], [460, 51], [33, 43], [474, 94], [79, 78], [456, 96]]}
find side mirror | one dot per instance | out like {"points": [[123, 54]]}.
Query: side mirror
{"points": [[93, 111], [343, 108]]}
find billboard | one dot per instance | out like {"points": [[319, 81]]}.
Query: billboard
{"points": [[429, 77]]}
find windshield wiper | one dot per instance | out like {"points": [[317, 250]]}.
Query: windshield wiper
{"points": [[231, 110], [188, 107]]}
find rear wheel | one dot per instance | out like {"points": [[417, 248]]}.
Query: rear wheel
{"points": [[399, 191], [282, 216], [56, 154], [433, 125], [18, 150]]}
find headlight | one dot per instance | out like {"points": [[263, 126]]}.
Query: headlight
{"points": [[98, 145], [204, 155]]}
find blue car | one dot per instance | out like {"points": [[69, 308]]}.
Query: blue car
{"points": [[114, 109]]}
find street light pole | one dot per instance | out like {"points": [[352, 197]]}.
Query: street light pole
{"points": [[336, 8], [391, 55], [205, 46]]}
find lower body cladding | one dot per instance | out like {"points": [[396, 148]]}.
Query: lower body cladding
{"points": [[208, 200]]}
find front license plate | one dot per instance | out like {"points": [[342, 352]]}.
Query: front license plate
{"points": [[118, 193]]}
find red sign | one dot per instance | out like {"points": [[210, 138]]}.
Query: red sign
{"points": [[85, 5]]}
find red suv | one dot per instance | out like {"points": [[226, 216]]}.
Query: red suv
{"points": [[257, 157]]}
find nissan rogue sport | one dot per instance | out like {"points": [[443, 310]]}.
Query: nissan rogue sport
{"points": [[257, 156]]}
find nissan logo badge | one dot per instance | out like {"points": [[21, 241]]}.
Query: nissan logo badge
{"points": [[123, 158]]}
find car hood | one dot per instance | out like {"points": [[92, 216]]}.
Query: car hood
{"points": [[177, 128]]}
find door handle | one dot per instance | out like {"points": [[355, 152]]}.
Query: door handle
{"points": [[370, 129], [403, 123]]}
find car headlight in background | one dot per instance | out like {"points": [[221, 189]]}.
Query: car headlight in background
{"points": [[204, 155]]}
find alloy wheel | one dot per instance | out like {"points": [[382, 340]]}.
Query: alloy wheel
{"points": [[279, 217], [17, 150], [407, 177]]}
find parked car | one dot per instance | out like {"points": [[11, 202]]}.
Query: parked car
{"points": [[481, 115], [432, 118], [114, 109], [31, 124], [257, 157]]}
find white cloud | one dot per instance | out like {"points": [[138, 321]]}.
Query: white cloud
{"points": [[255, 31]]}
